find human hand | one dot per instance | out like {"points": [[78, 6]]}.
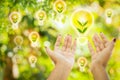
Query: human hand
{"points": [[103, 51], [64, 55]]}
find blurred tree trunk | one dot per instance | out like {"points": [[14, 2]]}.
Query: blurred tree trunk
{"points": [[8, 70]]}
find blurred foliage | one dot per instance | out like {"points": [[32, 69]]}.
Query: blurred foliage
{"points": [[48, 32]]}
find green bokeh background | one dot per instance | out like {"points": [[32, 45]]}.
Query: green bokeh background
{"points": [[53, 26]]}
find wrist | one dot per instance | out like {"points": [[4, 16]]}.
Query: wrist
{"points": [[64, 66], [65, 63], [95, 66]]}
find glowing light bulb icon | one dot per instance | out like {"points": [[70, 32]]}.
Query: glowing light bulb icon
{"points": [[34, 37], [82, 20], [40, 16], [59, 6], [32, 61], [109, 14], [18, 40], [15, 18], [82, 62]]}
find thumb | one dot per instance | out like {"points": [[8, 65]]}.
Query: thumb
{"points": [[111, 45], [48, 50], [108, 51], [50, 53]]}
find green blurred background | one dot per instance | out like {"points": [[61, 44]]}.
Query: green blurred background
{"points": [[48, 32]]}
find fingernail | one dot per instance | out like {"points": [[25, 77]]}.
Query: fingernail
{"points": [[114, 39]]}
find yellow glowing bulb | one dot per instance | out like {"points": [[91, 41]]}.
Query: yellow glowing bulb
{"points": [[34, 37], [15, 18], [32, 60], [82, 62], [59, 6], [109, 13], [40, 15], [18, 40], [82, 20]]}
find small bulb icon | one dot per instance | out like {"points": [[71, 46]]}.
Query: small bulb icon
{"points": [[82, 62], [18, 40], [15, 18], [109, 14], [34, 37], [59, 6], [32, 61], [40, 16]]}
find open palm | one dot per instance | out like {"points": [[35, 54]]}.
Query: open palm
{"points": [[103, 49], [64, 55]]}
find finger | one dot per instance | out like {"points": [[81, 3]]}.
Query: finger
{"points": [[98, 49], [49, 52], [69, 44], [58, 41], [108, 51], [105, 40], [100, 42], [74, 46], [65, 43], [96, 43], [91, 48], [111, 45]]}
